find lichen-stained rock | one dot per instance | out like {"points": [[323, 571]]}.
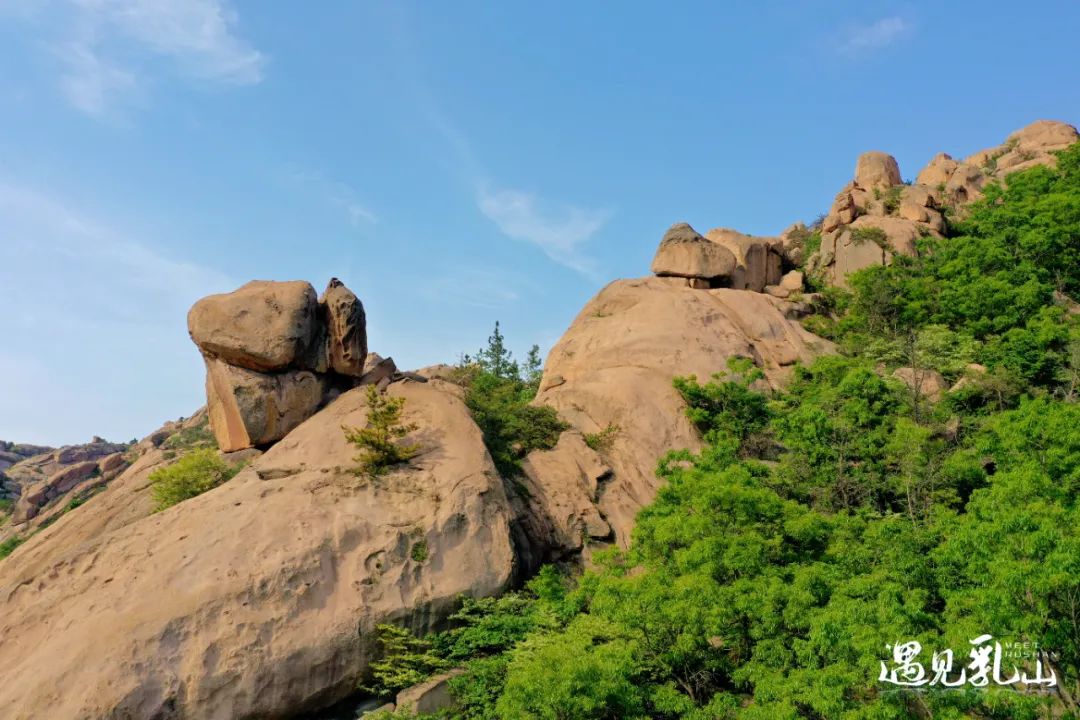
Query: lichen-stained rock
{"points": [[346, 329], [616, 363], [757, 259], [250, 408], [263, 326], [685, 253], [260, 598]]}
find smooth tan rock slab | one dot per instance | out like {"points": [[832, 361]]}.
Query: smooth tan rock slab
{"points": [[261, 596], [616, 363]]}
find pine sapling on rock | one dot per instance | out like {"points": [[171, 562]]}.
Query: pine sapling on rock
{"points": [[379, 441]]}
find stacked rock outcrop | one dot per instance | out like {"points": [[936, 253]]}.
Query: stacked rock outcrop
{"points": [[720, 258], [877, 215], [275, 353], [40, 480]]}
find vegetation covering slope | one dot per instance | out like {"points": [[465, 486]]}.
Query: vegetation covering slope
{"points": [[844, 513]]}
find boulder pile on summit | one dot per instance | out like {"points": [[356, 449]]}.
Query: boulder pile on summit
{"points": [[877, 214], [275, 353]]}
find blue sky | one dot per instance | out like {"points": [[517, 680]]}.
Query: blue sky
{"points": [[454, 163]]}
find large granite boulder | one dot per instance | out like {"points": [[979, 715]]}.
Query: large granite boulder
{"points": [[274, 355], [877, 170], [262, 326], [259, 598], [685, 253], [250, 409], [613, 369], [757, 259]]}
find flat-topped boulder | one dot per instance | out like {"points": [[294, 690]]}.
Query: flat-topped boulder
{"points": [[683, 252]]}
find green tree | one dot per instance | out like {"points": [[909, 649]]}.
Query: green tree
{"points": [[379, 441]]}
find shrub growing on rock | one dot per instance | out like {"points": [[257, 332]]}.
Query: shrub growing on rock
{"points": [[498, 392], [379, 440], [191, 475]]}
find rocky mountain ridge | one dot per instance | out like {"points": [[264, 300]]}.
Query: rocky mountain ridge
{"points": [[260, 597]]}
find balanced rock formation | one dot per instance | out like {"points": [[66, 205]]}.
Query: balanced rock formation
{"points": [[721, 258], [685, 253], [275, 353], [878, 198], [259, 598]]}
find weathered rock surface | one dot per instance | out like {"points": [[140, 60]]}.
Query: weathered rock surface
{"points": [[757, 259], [685, 253], [428, 697], [878, 170], [260, 597], [275, 354], [249, 408], [925, 383], [262, 326], [614, 367], [346, 329], [908, 211], [42, 480], [562, 489]]}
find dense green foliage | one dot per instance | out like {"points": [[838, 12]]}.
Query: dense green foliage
{"points": [[379, 441], [191, 475], [498, 393], [843, 513]]}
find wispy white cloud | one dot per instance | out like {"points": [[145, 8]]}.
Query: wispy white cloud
{"points": [[90, 82], [560, 232], [107, 47], [874, 36], [336, 194], [475, 287]]}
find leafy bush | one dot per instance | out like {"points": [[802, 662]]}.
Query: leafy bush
{"points": [[191, 475], [498, 393], [405, 660], [378, 440], [601, 440], [8, 546], [862, 235]]}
